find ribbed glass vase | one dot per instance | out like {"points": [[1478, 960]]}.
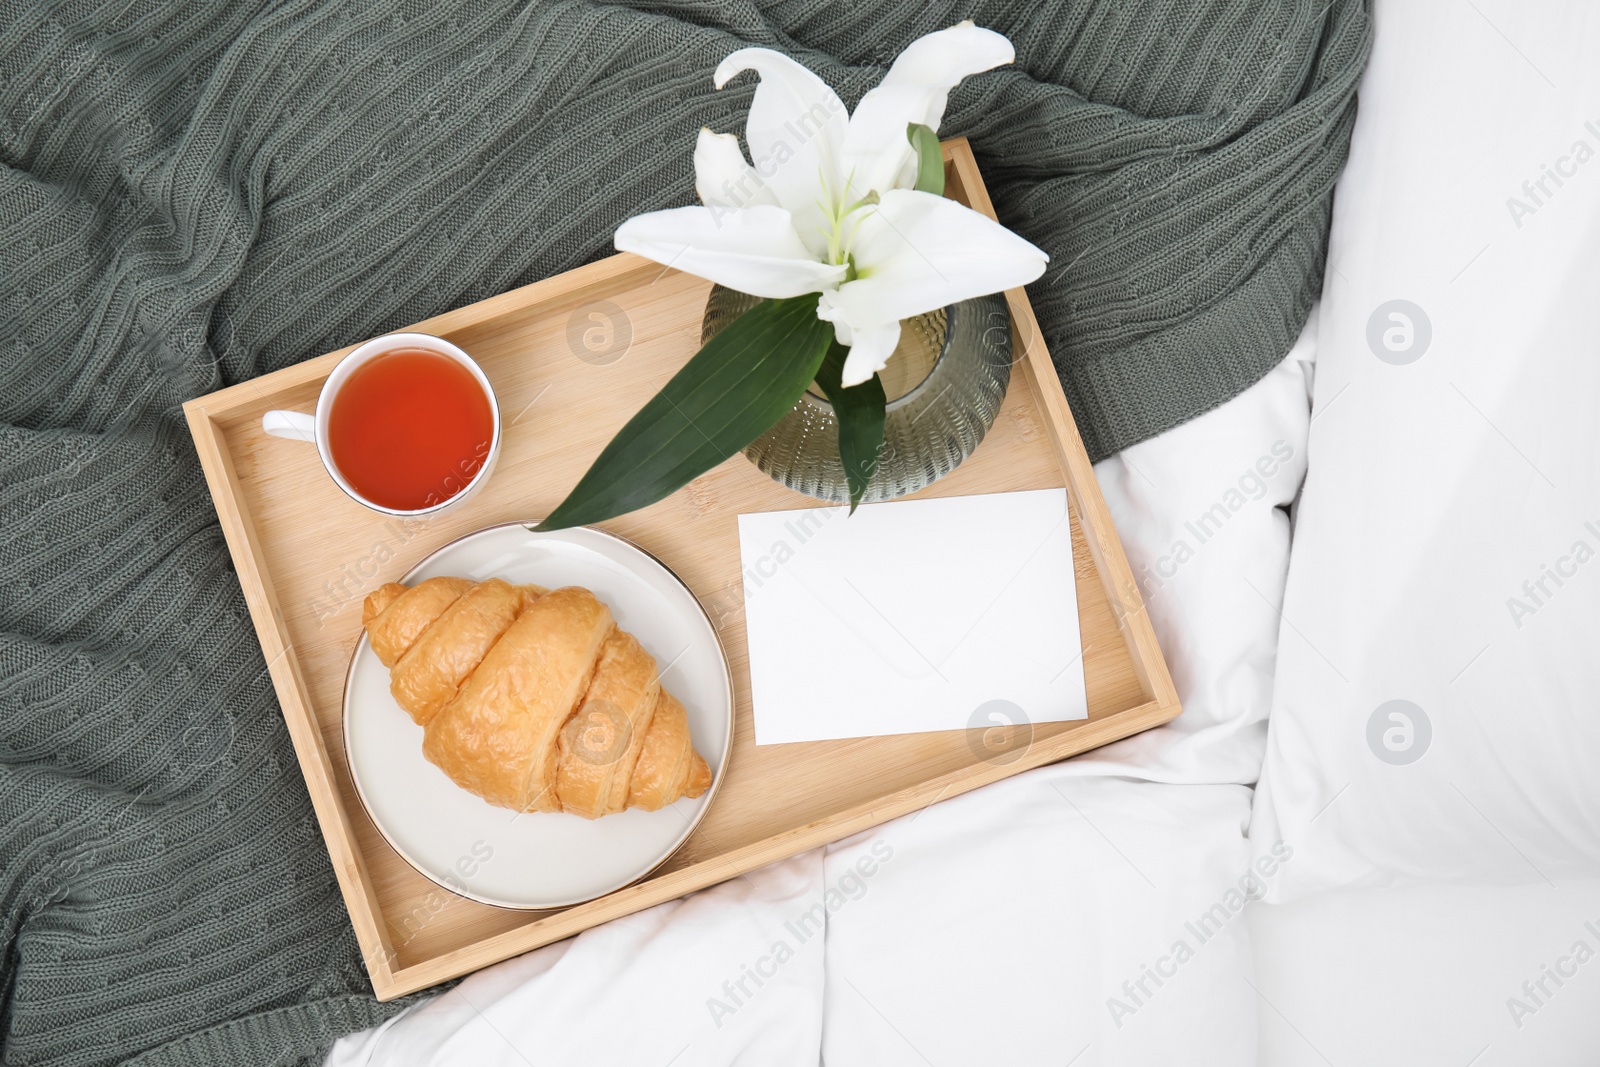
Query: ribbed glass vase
{"points": [[945, 383]]}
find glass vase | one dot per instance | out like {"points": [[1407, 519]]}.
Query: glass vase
{"points": [[945, 384]]}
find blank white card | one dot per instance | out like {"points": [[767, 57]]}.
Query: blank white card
{"points": [[911, 616]]}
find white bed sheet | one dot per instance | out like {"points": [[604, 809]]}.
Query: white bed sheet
{"points": [[1059, 918]]}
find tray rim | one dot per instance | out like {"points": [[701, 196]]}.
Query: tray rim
{"points": [[712, 790], [205, 415]]}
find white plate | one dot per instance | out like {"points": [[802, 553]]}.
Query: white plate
{"points": [[540, 860]]}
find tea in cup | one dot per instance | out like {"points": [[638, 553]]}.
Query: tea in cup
{"points": [[407, 424]]}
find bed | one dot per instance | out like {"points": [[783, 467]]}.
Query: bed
{"points": [[1149, 902]]}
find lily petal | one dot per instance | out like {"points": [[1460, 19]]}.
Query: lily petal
{"points": [[943, 58], [915, 89], [795, 132], [916, 252], [877, 153], [754, 250], [871, 351], [722, 177]]}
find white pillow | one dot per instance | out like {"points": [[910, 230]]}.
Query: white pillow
{"points": [[1435, 711]]}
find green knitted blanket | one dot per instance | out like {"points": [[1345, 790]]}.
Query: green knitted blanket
{"points": [[196, 194]]}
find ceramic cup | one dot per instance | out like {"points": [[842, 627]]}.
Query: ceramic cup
{"points": [[298, 426]]}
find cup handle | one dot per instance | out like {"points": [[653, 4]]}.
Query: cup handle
{"points": [[294, 425]]}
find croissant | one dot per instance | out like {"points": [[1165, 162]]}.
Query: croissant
{"points": [[534, 700]]}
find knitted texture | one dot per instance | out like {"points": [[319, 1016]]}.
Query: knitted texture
{"points": [[195, 194]]}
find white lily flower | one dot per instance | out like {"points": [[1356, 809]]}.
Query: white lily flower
{"points": [[829, 206]]}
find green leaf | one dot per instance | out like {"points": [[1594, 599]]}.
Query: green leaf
{"points": [[930, 159], [860, 411], [729, 393]]}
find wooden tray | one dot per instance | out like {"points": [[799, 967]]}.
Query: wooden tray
{"points": [[307, 555]]}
